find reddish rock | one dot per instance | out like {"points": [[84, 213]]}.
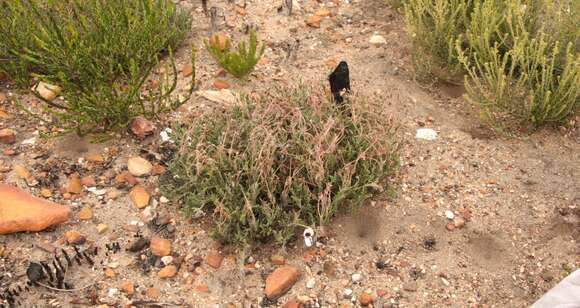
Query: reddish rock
{"points": [[202, 288], [88, 181], [167, 272], [139, 196], [85, 213], [160, 247], [127, 287], [314, 21], [74, 185], [141, 127], [365, 299], [221, 84], [7, 136], [214, 260], [292, 303], [280, 281], [74, 238], [278, 260], [153, 293], [187, 70], [20, 211]]}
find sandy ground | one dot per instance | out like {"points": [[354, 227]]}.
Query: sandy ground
{"points": [[520, 197]]}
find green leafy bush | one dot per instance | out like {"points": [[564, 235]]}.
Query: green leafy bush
{"points": [[287, 159], [521, 57], [241, 61], [100, 52]]}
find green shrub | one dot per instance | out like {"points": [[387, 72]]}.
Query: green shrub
{"points": [[100, 52], [241, 61], [287, 159], [521, 57]]}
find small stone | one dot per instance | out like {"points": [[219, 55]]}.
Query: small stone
{"points": [[187, 70], [139, 166], [347, 293], [426, 134], [109, 273], [74, 238], [139, 196], [381, 292], [85, 213], [323, 12], [458, 222], [202, 288], [167, 260], [377, 40], [214, 260], [311, 283], [127, 287], [88, 181], [160, 247], [113, 194], [153, 293], [410, 286], [95, 158], [314, 21], [74, 185], [356, 277], [47, 91], [449, 214], [365, 299], [292, 303], [7, 136], [141, 127], [450, 226], [278, 260], [280, 281], [138, 244], [21, 172], [45, 192], [167, 272], [158, 169], [162, 199], [102, 228], [221, 84]]}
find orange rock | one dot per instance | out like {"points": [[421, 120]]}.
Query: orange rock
{"points": [[153, 293], [314, 21], [160, 247], [158, 169], [278, 260], [21, 172], [96, 158], [74, 238], [202, 288], [127, 287], [20, 211], [7, 136], [74, 185], [109, 273], [280, 281], [381, 292], [45, 192], [221, 84], [214, 260], [167, 272], [85, 213], [323, 12], [187, 70], [139, 196], [292, 303], [220, 39], [365, 299], [88, 181]]}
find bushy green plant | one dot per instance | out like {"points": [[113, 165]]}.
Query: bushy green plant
{"points": [[518, 74], [242, 60], [100, 52], [521, 57], [287, 159]]}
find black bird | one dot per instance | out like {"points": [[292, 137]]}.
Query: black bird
{"points": [[339, 80]]}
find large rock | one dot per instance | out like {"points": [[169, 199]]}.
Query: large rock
{"points": [[20, 211], [280, 281], [139, 166]]}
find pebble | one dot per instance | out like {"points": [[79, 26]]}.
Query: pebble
{"points": [[167, 260], [47, 91], [21, 172], [139, 166], [109, 273], [141, 127], [278, 260], [356, 277], [7, 136], [311, 283], [139, 196], [377, 40], [449, 214], [85, 213], [74, 185], [214, 260], [153, 293], [426, 134], [365, 299], [162, 199], [314, 21], [202, 288], [459, 222], [160, 247], [127, 287], [167, 272], [280, 281], [101, 228], [347, 293], [74, 238]]}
